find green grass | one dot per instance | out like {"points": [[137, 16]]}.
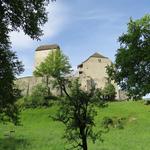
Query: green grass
{"points": [[39, 132]]}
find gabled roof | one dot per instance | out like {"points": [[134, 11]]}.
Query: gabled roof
{"points": [[47, 47], [97, 55]]}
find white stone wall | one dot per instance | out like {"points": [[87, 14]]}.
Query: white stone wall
{"points": [[41, 55], [95, 68], [26, 85]]}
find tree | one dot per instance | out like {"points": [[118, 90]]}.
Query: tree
{"points": [[9, 68], [109, 92], [29, 16], [76, 106], [77, 112], [131, 70], [38, 96], [55, 66]]}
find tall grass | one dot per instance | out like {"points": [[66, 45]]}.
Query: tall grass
{"points": [[39, 132]]}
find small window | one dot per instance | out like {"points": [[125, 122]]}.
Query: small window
{"points": [[80, 66], [80, 72]]}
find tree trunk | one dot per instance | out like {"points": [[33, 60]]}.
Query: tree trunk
{"points": [[27, 94], [61, 91], [84, 143], [47, 84], [61, 85], [84, 138]]}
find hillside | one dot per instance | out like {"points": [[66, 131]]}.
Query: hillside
{"points": [[39, 132]]}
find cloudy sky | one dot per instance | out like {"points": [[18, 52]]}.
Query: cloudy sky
{"points": [[81, 27]]}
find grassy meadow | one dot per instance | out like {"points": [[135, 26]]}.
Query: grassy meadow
{"points": [[39, 132]]}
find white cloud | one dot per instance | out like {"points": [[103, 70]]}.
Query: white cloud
{"points": [[20, 40], [57, 18], [100, 15]]}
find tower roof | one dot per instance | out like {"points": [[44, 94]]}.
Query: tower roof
{"points": [[97, 55], [47, 47]]}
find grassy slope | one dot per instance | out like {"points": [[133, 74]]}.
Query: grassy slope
{"points": [[39, 132]]}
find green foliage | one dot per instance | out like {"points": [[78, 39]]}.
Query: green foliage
{"points": [[147, 102], [77, 112], [15, 15], [9, 68], [109, 92], [21, 103], [27, 15], [42, 133], [11, 143], [37, 98], [115, 122], [106, 122], [131, 70], [77, 106], [57, 66]]}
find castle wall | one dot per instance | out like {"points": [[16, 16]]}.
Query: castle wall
{"points": [[92, 71], [26, 85]]}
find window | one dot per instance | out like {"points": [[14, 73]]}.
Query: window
{"points": [[80, 72], [80, 66]]}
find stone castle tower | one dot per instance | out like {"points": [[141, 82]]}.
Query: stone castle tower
{"points": [[95, 68], [42, 52]]}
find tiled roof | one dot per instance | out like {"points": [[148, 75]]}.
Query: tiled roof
{"points": [[98, 55], [47, 47]]}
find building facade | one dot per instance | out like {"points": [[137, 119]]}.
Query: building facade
{"points": [[93, 71]]}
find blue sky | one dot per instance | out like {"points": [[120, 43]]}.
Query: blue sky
{"points": [[81, 27]]}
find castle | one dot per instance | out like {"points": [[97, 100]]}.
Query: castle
{"points": [[92, 68]]}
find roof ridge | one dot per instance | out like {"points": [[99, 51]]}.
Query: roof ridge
{"points": [[96, 54], [47, 46]]}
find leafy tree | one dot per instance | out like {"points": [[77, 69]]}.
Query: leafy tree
{"points": [[77, 112], [132, 64], [76, 106], [29, 16], [109, 92], [38, 96], [55, 66], [9, 68]]}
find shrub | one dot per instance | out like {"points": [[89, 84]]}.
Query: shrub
{"points": [[115, 122], [109, 92], [37, 98], [106, 122], [147, 102], [21, 102]]}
